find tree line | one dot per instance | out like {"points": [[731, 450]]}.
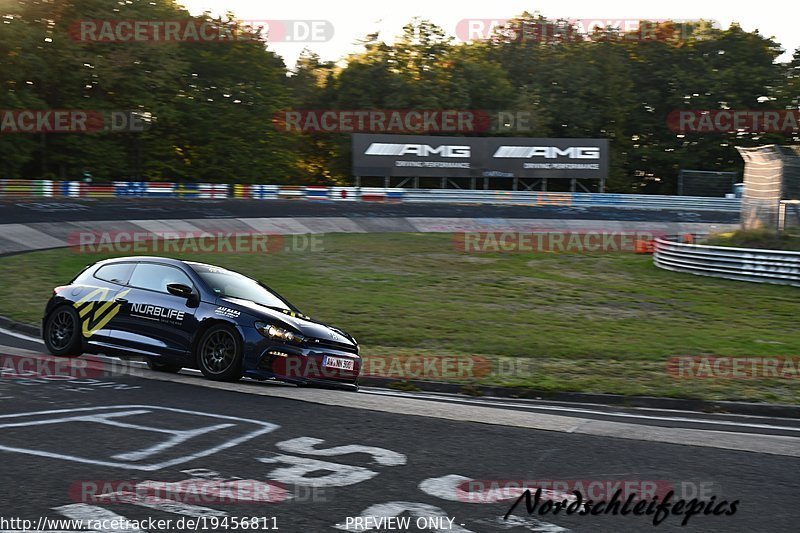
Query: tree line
{"points": [[208, 109]]}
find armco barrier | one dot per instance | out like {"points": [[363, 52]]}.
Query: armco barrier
{"points": [[742, 264], [26, 188], [256, 192], [344, 194], [573, 199], [142, 189]]}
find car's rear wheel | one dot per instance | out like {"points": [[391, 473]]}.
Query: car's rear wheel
{"points": [[62, 332], [163, 367], [219, 354]]}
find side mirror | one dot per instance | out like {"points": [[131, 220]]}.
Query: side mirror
{"points": [[179, 289]]}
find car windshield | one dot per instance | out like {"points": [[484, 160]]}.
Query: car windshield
{"points": [[230, 284]]}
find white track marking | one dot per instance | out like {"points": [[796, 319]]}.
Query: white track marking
{"points": [[161, 504], [85, 513], [305, 446], [581, 410], [445, 487], [500, 403], [490, 403], [295, 473], [731, 439], [264, 427], [19, 335]]}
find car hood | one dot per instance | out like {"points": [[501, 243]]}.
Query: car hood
{"points": [[305, 325]]}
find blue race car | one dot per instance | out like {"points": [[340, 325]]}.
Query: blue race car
{"points": [[180, 314]]}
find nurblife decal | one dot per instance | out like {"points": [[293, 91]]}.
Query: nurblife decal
{"points": [[163, 314], [96, 313]]}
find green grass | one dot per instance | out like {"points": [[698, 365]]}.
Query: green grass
{"points": [[592, 322], [759, 238]]}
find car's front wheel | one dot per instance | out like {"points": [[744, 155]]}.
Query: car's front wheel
{"points": [[62, 332], [219, 354]]}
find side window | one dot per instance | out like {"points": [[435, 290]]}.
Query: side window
{"points": [[115, 273], [157, 277]]}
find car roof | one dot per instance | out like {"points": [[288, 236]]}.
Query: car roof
{"points": [[143, 258]]}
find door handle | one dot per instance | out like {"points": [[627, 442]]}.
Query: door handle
{"points": [[121, 301]]}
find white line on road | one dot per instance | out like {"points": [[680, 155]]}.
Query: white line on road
{"points": [[81, 512], [128, 410], [165, 505], [22, 336], [582, 411], [525, 415], [496, 403]]}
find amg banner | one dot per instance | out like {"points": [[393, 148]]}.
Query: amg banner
{"points": [[417, 155], [430, 156], [546, 158]]}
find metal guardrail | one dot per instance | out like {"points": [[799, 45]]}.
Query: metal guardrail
{"points": [[572, 199], [741, 264], [126, 189]]}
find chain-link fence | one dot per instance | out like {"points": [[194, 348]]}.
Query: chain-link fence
{"points": [[706, 183]]}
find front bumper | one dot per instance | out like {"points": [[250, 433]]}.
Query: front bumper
{"points": [[301, 365]]}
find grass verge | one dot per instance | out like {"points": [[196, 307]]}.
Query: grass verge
{"points": [[587, 322], [789, 241]]}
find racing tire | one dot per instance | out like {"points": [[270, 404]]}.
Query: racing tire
{"points": [[62, 332], [163, 367], [219, 354]]}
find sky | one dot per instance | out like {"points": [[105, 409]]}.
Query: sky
{"points": [[351, 20]]}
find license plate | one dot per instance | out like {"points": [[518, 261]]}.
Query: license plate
{"points": [[338, 362]]}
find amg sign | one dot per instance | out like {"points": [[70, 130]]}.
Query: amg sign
{"points": [[548, 158], [421, 150], [431, 156], [417, 155], [549, 152]]}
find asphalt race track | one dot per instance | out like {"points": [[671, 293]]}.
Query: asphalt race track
{"points": [[323, 456], [58, 210]]}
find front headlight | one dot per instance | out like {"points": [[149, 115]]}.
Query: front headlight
{"points": [[278, 333]]}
